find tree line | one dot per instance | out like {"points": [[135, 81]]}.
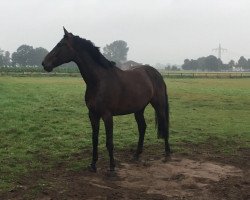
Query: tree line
{"points": [[25, 55], [211, 63]]}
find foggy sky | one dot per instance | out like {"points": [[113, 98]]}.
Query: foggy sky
{"points": [[165, 31]]}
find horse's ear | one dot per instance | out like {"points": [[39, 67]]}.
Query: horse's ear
{"points": [[66, 33]]}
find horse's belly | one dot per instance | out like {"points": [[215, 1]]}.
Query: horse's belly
{"points": [[133, 100], [128, 107], [126, 112]]}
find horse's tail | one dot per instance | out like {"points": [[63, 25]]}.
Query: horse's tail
{"points": [[160, 102], [167, 114], [162, 122]]}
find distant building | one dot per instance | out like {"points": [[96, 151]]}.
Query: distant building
{"points": [[129, 64]]}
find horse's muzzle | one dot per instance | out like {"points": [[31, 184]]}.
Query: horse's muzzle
{"points": [[47, 68]]}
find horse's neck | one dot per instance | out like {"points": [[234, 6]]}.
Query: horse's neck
{"points": [[90, 70]]}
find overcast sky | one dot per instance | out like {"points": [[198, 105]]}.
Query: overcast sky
{"points": [[165, 31]]}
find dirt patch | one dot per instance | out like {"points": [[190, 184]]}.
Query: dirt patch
{"points": [[180, 178]]}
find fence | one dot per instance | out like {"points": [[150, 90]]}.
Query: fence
{"points": [[37, 74], [206, 75], [164, 74]]}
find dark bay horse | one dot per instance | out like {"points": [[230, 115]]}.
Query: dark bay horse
{"points": [[111, 91]]}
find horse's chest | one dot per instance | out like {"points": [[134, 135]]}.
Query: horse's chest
{"points": [[90, 100], [94, 100]]}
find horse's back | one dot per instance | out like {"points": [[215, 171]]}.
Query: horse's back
{"points": [[146, 68], [132, 91], [153, 74], [136, 80], [146, 78]]}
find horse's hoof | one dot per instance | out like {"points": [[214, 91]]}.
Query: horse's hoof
{"points": [[92, 168]]}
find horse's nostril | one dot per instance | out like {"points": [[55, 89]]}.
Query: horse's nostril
{"points": [[42, 63]]}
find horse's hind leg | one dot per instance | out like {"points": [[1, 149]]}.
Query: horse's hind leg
{"points": [[108, 122], [139, 117]]}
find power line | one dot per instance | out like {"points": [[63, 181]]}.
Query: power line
{"points": [[220, 50]]}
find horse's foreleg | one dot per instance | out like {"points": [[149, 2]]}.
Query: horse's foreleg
{"points": [[139, 117], [95, 123], [108, 122]]}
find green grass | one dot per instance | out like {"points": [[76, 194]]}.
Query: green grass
{"points": [[44, 121]]}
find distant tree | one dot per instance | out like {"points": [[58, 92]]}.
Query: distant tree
{"points": [[212, 63], [209, 63], [5, 58], [1, 57], [168, 67], [23, 55], [186, 65], [190, 64], [116, 51], [231, 63], [28, 56], [15, 59], [174, 68], [242, 62], [248, 64], [38, 55], [186, 61]]}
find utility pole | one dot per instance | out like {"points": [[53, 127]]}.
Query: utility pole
{"points": [[220, 50]]}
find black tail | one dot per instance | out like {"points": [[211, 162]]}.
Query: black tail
{"points": [[167, 115], [162, 122], [160, 105]]}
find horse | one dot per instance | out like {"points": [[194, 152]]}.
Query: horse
{"points": [[111, 91]]}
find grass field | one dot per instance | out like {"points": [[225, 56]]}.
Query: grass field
{"points": [[44, 121]]}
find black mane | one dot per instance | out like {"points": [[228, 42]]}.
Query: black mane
{"points": [[94, 52]]}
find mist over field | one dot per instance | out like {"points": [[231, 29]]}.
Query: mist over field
{"points": [[156, 31]]}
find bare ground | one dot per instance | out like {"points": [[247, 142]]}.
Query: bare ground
{"points": [[198, 175]]}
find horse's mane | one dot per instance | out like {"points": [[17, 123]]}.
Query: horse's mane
{"points": [[94, 52]]}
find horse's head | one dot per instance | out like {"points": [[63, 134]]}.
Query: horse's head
{"points": [[60, 54]]}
